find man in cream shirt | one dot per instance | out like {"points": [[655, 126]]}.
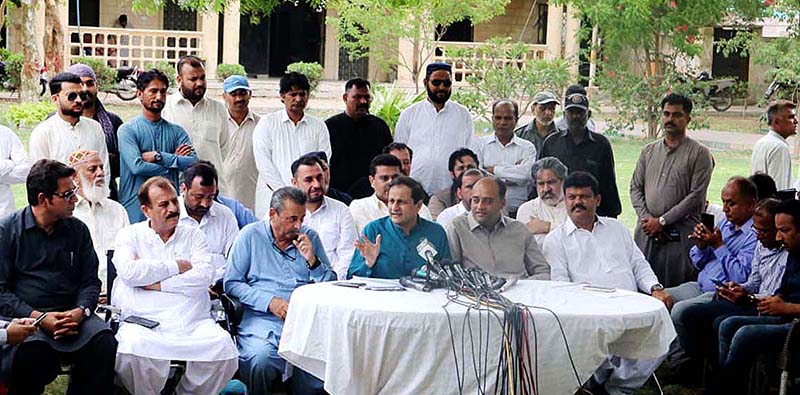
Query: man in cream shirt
{"points": [[771, 153], [547, 211]]}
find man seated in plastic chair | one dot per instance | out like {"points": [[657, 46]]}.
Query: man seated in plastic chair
{"points": [[163, 272]]}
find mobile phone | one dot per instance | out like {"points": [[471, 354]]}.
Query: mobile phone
{"points": [[149, 324], [39, 320], [718, 283], [349, 284], [708, 221]]}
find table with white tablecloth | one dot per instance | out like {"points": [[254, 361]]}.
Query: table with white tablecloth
{"points": [[364, 342]]}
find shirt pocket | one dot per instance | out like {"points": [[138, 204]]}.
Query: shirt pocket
{"points": [[209, 130]]}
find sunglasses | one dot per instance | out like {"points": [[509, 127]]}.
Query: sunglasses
{"points": [[74, 95], [68, 194], [447, 83]]}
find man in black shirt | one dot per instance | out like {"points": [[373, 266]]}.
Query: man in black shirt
{"points": [[48, 265], [581, 149], [356, 137]]}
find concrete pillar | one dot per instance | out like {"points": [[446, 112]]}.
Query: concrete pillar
{"points": [[572, 46], [63, 15], [553, 39], [210, 30], [39, 29], [331, 56], [230, 37]]}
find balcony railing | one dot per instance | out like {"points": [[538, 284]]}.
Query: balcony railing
{"points": [[133, 47], [461, 69]]}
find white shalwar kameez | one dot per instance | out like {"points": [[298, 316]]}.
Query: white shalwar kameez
{"points": [[186, 331]]}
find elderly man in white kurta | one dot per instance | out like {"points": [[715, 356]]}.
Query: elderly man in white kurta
{"points": [[198, 209], [283, 136], [103, 216], [548, 210], [163, 272], [601, 251], [68, 131], [204, 119], [434, 128], [14, 168]]}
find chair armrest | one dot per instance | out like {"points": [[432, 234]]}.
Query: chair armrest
{"points": [[233, 309], [790, 345]]}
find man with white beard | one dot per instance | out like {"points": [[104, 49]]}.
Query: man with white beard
{"points": [[103, 216]]}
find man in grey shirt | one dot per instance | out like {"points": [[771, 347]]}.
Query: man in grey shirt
{"points": [[493, 242]]}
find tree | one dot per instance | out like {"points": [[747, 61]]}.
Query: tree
{"points": [[53, 38], [374, 28], [641, 41], [29, 78]]}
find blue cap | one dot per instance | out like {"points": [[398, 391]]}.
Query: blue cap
{"points": [[235, 82]]}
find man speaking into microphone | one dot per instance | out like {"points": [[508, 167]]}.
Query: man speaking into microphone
{"points": [[388, 246]]}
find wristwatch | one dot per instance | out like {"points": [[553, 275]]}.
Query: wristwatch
{"points": [[315, 265], [656, 287], [158, 157], [662, 221], [87, 312]]}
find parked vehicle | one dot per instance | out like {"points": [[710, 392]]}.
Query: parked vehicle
{"points": [[781, 89], [125, 83], [44, 79], [719, 92]]}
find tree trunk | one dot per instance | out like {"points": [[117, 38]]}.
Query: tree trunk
{"points": [[29, 78], [53, 38]]}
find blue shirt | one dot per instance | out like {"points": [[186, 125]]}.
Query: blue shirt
{"points": [[766, 271], [244, 216], [140, 135], [731, 261], [790, 283], [398, 255], [259, 271]]}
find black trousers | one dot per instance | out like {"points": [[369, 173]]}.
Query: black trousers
{"points": [[37, 364]]}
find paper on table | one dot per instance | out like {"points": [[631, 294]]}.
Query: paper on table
{"points": [[372, 282]]}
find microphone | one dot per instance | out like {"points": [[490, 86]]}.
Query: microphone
{"points": [[426, 250]]}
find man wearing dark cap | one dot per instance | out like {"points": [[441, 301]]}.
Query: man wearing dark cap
{"points": [[581, 149], [542, 125], [110, 122], [434, 128]]}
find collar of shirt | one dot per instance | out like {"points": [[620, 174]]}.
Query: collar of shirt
{"points": [[430, 106], [155, 237], [29, 221], [321, 208], [185, 213], [514, 140], [570, 226], [249, 117], [473, 224], [776, 135], [381, 205], [60, 122], [589, 134], [731, 228], [82, 201], [285, 118], [180, 99]]}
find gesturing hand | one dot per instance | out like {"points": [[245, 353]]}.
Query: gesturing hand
{"points": [[303, 244], [368, 249]]}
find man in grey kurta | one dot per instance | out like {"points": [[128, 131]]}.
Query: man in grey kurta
{"points": [[487, 239], [668, 192]]}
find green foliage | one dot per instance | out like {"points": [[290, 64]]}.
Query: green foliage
{"points": [[312, 71], [165, 68], [106, 76], [503, 70], [371, 28], [388, 103], [28, 114], [257, 9], [226, 70], [13, 63]]}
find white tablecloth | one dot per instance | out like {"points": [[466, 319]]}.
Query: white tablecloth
{"points": [[372, 342]]}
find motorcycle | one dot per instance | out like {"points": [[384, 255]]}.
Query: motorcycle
{"points": [[125, 83], [719, 92], [44, 79], [781, 86]]}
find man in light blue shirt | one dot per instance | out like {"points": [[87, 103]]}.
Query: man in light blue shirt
{"points": [[388, 246], [149, 145], [267, 262]]}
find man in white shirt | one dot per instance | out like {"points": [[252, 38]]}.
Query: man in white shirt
{"points": [[68, 131], [103, 216], [434, 128], [548, 210], [14, 168], [217, 222], [601, 251], [163, 272], [283, 136], [771, 153], [329, 217], [382, 170], [507, 156], [204, 119], [464, 184], [458, 162], [242, 173]]}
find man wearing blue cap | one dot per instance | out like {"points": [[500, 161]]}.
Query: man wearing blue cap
{"points": [[239, 160], [434, 128]]}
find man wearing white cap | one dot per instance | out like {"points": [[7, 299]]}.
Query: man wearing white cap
{"points": [[242, 173]]}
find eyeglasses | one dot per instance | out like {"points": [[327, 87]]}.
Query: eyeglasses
{"points": [[74, 95], [68, 194], [284, 253], [447, 83]]}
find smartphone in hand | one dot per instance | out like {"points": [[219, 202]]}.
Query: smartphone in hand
{"points": [[708, 221]]}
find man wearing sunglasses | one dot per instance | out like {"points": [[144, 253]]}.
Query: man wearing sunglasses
{"points": [[434, 128], [68, 131], [48, 264], [268, 261]]}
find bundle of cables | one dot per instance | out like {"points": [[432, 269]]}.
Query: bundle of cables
{"points": [[480, 292]]}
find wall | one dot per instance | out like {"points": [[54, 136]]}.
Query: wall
{"points": [[111, 10], [511, 23]]}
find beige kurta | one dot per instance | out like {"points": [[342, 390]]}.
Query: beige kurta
{"points": [[240, 163], [671, 183]]}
